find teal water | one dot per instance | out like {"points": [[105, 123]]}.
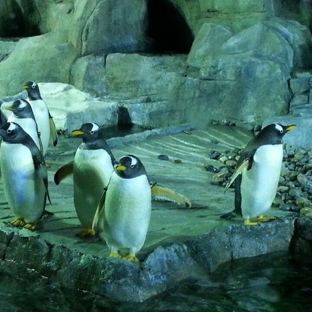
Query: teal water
{"points": [[273, 282]]}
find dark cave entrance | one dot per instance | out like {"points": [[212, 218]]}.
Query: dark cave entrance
{"points": [[168, 28], [18, 21]]}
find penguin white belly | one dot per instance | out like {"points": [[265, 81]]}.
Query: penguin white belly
{"points": [[41, 114], [23, 187], [92, 171], [127, 212], [29, 126], [259, 184]]}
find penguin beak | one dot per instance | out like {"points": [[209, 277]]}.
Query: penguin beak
{"points": [[9, 108], [77, 132], [25, 87], [289, 128], [121, 168]]}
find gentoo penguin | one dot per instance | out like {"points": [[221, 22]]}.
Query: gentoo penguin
{"points": [[92, 168], [24, 175], [257, 174], [24, 116], [43, 117], [124, 211]]}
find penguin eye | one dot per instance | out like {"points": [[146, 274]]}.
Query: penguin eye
{"points": [[132, 166], [282, 130], [91, 132]]}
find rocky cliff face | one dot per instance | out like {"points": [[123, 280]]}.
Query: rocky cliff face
{"points": [[189, 61]]}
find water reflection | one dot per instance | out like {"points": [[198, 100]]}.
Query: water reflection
{"points": [[272, 282]]}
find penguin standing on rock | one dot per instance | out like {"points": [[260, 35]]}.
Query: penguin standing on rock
{"points": [[42, 115], [92, 168], [24, 116], [257, 174], [124, 211], [24, 175]]}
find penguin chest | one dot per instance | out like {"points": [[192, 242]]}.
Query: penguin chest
{"points": [[41, 114], [92, 171], [259, 184], [23, 186], [127, 211]]}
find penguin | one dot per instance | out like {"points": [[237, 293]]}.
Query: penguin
{"points": [[124, 211], [24, 116], [42, 115], [24, 175], [257, 174], [92, 168]]}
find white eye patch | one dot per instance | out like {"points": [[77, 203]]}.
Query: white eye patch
{"points": [[22, 104], [134, 161], [95, 127], [279, 128], [12, 127], [33, 85]]}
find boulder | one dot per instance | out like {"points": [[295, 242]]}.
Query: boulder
{"points": [[71, 107], [88, 74], [38, 63], [108, 26]]}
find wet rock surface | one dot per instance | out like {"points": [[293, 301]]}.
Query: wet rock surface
{"points": [[181, 242]]}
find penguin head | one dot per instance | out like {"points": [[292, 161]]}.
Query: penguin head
{"points": [[129, 167], [32, 89], [88, 131], [11, 132], [273, 134], [21, 108]]}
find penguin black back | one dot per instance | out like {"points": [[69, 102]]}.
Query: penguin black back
{"points": [[130, 167], [33, 91]]}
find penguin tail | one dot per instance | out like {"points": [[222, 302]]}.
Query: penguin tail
{"points": [[99, 213], [53, 130], [164, 193]]}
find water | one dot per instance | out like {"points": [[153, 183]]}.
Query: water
{"points": [[272, 282]]}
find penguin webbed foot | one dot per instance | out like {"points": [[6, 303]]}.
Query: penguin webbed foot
{"points": [[115, 254], [131, 258], [262, 218], [85, 233], [19, 222], [249, 222], [30, 226]]}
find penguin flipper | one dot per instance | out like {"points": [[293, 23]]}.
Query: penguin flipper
{"points": [[63, 172], [100, 212], [237, 172], [160, 192], [53, 130]]}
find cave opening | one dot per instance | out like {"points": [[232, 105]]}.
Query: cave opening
{"points": [[168, 28], [17, 21]]}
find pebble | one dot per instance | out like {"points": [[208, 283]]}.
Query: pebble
{"points": [[303, 202], [231, 163], [177, 161], [294, 192], [302, 179], [211, 168], [163, 157], [305, 210]]}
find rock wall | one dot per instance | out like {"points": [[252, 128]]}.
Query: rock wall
{"points": [[190, 61]]}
